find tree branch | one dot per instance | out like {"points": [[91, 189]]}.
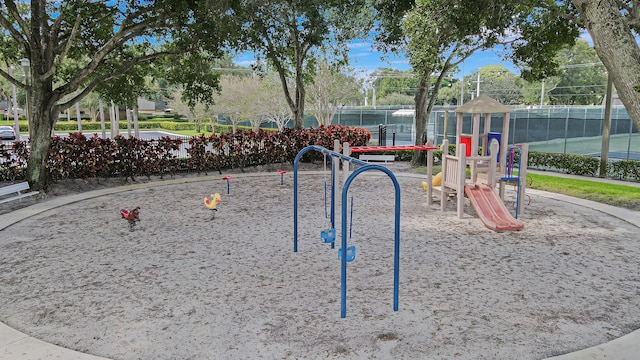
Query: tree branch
{"points": [[12, 10], [70, 87], [63, 55], [11, 79], [113, 44]]}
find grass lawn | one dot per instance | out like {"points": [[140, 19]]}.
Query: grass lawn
{"points": [[602, 192], [186, 132]]}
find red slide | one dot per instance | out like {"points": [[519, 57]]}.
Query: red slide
{"points": [[490, 208]]}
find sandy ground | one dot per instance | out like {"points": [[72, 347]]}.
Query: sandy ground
{"points": [[183, 285]]}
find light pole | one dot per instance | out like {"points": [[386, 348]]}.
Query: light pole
{"points": [[27, 111]]}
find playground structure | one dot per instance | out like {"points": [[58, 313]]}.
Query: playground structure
{"points": [[492, 167], [347, 253], [487, 170]]}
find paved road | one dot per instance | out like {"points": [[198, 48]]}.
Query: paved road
{"points": [[147, 134]]}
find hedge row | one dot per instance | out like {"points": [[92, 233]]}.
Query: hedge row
{"points": [[584, 165], [77, 156]]}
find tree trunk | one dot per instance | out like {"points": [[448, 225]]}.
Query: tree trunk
{"points": [[78, 117], [43, 116], [298, 112], [214, 121], [136, 127], [617, 47], [102, 125], [127, 112], [422, 118]]}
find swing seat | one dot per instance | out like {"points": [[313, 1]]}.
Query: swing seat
{"points": [[328, 236], [351, 253]]}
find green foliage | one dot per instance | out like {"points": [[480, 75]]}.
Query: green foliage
{"points": [[579, 84], [499, 83], [626, 169], [200, 81], [287, 36], [331, 88], [177, 125], [75, 47], [155, 123], [396, 99], [545, 29], [71, 126], [575, 164], [391, 81]]}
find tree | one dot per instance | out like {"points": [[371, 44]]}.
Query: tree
{"points": [[238, 100], [5, 89], [396, 99], [436, 46], [194, 102], [396, 87], [392, 81], [195, 114], [583, 80], [449, 93], [330, 90], [442, 33], [614, 28], [288, 34], [91, 102], [272, 103], [501, 84], [105, 40]]}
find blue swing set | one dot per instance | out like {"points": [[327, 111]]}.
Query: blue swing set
{"points": [[348, 253]]}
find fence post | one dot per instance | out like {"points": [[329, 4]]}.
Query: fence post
{"points": [[566, 131], [382, 135]]}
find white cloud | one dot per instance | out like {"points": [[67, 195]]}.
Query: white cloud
{"points": [[359, 54], [359, 45]]}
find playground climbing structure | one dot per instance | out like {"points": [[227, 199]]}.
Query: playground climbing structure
{"points": [[487, 168]]}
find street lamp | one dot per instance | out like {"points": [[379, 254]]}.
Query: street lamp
{"points": [[27, 111]]}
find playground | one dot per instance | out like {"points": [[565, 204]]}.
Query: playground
{"points": [[184, 284]]}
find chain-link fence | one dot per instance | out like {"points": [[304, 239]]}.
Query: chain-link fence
{"points": [[567, 129]]}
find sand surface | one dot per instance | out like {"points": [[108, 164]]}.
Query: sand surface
{"points": [[185, 285]]}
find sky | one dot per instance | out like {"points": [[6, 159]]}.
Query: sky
{"points": [[365, 59]]}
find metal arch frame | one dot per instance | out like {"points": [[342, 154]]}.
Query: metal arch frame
{"points": [[364, 167], [396, 252]]}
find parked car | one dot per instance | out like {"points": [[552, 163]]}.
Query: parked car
{"points": [[7, 133]]}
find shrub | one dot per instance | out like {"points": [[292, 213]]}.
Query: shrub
{"points": [[626, 169], [77, 156], [569, 163]]}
